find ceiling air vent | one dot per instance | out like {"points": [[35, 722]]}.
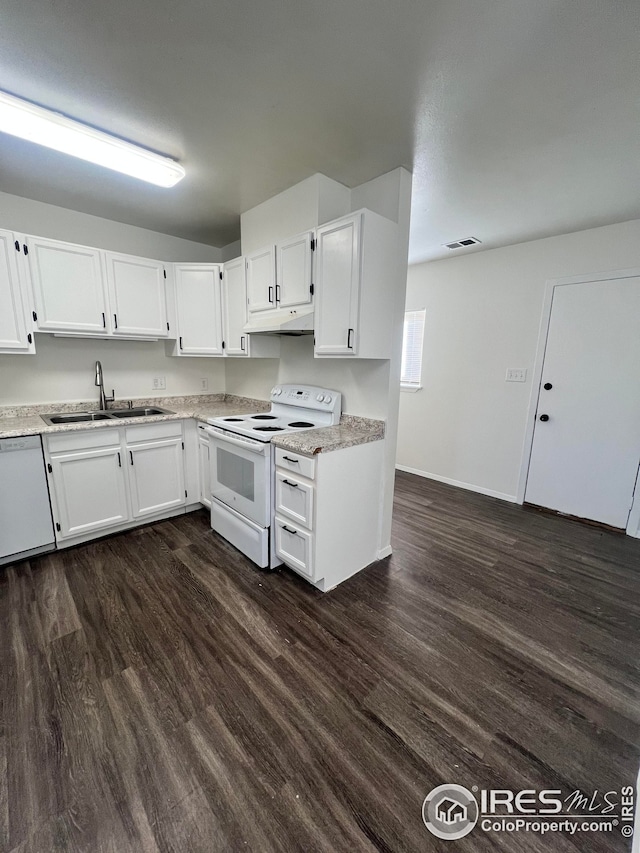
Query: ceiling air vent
{"points": [[462, 244]]}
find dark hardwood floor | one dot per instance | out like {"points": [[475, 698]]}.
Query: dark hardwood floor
{"points": [[158, 693]]}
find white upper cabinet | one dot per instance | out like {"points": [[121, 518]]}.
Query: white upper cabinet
{"points": [[338, 278], [294, 270], [15, 334], [261, 279], [355, 311], [199, 309], [281, 276], [137, 297], [68, 287], [234, 301]]}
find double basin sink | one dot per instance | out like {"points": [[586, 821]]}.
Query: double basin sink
{"points": [[56, 419]]}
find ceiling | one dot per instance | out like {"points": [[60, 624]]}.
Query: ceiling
{"points": [[519, 118]]}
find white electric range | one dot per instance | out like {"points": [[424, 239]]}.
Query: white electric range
{"points": [[242, 464]]}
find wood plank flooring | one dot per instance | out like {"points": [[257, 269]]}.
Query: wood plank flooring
{"points": [[158, 693]]}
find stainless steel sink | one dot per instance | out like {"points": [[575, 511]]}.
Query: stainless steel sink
{"points": [[139, 413], [58, 418], [75, 417]]}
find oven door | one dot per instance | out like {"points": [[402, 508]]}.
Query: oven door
{"points": [[241, 474]]}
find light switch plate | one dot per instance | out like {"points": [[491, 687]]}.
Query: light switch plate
{"points": [[204, 384], [516, 374], [159, 383]]}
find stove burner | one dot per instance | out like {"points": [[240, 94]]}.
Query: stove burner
{"points": [[268, 429], [301, 424], [233, 419], [264, 417]]}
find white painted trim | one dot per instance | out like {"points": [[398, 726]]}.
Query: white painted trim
{"points": [[635, 844], [459, 484], [385, 552], [633, 525], [410, 388]]}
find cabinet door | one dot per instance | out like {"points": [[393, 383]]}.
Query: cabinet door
{"points": [[68, 287], [205, 476], [261, 280], [156, 476], [294, 499], [293, 271], [90, 490], [198, 309], [137, 296], [14, 334], [234, 306], [294, 546], [338, 265]]}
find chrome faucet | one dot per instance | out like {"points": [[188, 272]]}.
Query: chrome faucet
{"points": [[100, 384]]}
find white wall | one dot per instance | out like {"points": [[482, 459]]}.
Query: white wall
{"points": [[59, 223], [364, 383], [300, 208], [467, 425], [63, 370]]}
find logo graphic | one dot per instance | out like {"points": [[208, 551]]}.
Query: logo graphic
{"points": [[450, 812]]}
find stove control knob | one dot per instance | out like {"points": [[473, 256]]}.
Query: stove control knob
{"points": [[327, 399], [320, 398], [277, 391]]}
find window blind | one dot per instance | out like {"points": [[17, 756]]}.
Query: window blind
{"points": [[411, 370]]}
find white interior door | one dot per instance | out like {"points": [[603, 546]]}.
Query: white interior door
{"points": [[586, 444]]}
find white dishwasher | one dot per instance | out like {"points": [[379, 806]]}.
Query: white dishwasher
{"points": [[26, 525]]}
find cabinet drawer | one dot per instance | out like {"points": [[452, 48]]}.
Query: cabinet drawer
{"points": [[151, 432], [82, 440], [294, 498], [295, 462], [294, 546]]}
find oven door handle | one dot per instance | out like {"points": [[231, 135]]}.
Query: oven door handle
{"points": [[258, 447]]}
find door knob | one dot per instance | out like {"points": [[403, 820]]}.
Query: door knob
{"points": [[547, 386], [544, 418]]}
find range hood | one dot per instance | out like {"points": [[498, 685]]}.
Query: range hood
{"points": [[282, 323]]}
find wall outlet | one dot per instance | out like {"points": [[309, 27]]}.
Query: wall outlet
{"points": [[159, 383], [516, 374], [204, 384]]}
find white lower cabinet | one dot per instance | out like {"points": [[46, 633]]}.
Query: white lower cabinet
{"points": [[156, 476], [294, 547], [104, 479], [328, 511], [87, 483], [294, 498], [204, 468]]}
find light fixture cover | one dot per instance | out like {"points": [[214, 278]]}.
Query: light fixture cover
{"points": [[53, 130]]}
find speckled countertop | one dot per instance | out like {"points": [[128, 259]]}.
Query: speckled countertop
{"points": [[25, 420], [349, 432]]}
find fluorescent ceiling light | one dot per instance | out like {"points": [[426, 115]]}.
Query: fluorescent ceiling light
{"points": [[28, 121]]}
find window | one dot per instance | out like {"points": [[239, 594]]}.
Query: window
{"points": [[411, 371]]}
